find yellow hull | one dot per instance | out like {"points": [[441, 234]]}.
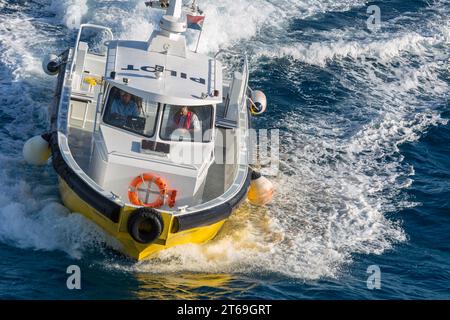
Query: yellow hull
{"points": [[119, 231]]}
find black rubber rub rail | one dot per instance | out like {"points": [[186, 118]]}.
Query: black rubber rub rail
{"points": [[212, 215], [105, 206]]}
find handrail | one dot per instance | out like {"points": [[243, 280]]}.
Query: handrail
{"points": [[231, 53], [246, 71], [86, 25]]}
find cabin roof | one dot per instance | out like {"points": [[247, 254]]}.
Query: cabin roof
{"points": [[162, 77]]}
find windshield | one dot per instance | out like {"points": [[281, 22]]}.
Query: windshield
{"points": [[182, 123], [131, 113]]}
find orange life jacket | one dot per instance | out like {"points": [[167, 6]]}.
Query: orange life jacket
{"points": [[187, 122]]}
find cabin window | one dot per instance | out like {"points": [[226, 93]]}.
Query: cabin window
{"points": [[131, 113], [182, 123]]}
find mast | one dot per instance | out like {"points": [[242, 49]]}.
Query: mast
{"points": [[172, 22], [170, 39], [173, 26], [175, 9]]}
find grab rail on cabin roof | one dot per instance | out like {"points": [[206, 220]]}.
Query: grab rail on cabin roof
{"points": [[87, 25], [232, 53]]}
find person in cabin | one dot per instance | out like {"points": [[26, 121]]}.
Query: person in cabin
{"points": [[186, 119], [125, 106]]}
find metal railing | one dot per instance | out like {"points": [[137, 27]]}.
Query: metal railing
{"points": [[80, 31], [245, 70]]}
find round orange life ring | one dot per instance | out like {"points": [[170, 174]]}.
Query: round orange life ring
{"points": [[163, 191]]}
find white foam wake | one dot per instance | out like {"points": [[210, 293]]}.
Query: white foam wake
{"points": [[227, 22], [31, 214], [70, 12], [340, 173], [321, 53]]}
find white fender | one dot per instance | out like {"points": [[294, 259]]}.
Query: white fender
{"points": [[260, 191], [259, 102], [36, 151], [50, 64]]}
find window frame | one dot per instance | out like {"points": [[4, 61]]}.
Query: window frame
{"points": [[211, 106], [107, 106]]}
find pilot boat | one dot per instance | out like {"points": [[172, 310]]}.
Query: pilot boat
{"points": [[149, 139]]}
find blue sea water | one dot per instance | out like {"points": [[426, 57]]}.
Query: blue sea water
{"points": [[364, 171]]}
